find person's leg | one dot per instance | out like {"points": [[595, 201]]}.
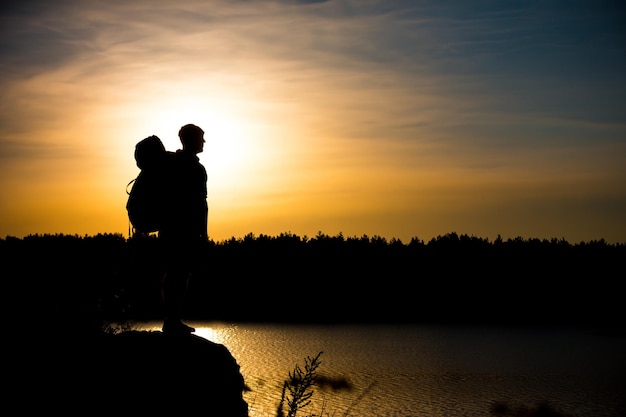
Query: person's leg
{"points": [[173, 293], [178, 260], [174, 290]]}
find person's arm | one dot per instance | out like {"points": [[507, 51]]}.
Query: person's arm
{"points": [[205, 227]]}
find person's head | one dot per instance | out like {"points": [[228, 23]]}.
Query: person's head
{"points": [[192, 138]]}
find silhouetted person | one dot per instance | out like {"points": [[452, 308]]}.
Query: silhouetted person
{"points": [[184, 234]]}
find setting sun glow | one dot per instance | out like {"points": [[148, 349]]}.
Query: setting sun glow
{"points": [[393, 120]]}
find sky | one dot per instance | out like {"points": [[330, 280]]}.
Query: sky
{"points": [[391, 118]]}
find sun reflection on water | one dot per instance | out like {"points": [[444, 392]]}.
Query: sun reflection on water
{"points": [[213, 334], [419, 369], [216, 334]]}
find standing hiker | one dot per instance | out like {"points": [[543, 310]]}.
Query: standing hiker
{"points": [[184, 232]]}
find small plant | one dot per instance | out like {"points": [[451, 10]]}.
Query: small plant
{"points": [[116, 328], [298, 388]]}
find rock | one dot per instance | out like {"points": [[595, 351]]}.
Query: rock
{"points": [[143, 372]]}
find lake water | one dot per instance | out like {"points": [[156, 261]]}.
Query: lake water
{"points": [[430, 371]]}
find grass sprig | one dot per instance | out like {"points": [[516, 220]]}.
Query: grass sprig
{"points": [[298, 388]]}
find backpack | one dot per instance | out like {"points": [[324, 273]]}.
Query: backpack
{"points": [[148, 199]]}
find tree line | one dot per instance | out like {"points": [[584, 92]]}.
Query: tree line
{"points": [[453, 278]]}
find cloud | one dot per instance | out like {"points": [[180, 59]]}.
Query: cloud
{"points": [[303, 2], [437, 90], [413, 64], [34, 150]]}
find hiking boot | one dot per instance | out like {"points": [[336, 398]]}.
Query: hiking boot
{"points": [[176, 327]]}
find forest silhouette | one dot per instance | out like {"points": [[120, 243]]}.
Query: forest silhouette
{"points": [[89, 281]]}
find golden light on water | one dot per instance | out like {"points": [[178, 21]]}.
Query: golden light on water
{"points": [[220, 333], [215, 335], [421, 369]]}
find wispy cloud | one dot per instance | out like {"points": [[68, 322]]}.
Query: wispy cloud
{"points": [[422, 91]]}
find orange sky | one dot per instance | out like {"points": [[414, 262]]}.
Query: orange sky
{"points": [[387, 118]]}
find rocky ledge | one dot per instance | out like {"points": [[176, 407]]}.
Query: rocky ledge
{"points": [[134, 372]]}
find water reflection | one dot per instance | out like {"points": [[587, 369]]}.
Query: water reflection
{"points": [[412, 370]]}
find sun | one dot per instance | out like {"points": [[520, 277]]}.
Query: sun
{"points": [[233, 144], [230, 146]]}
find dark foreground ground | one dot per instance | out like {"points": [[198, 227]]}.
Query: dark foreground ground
{"points": [[59, 291], [130, 373]]}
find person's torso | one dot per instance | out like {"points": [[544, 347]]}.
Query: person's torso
{"points": [[187, 205]]}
